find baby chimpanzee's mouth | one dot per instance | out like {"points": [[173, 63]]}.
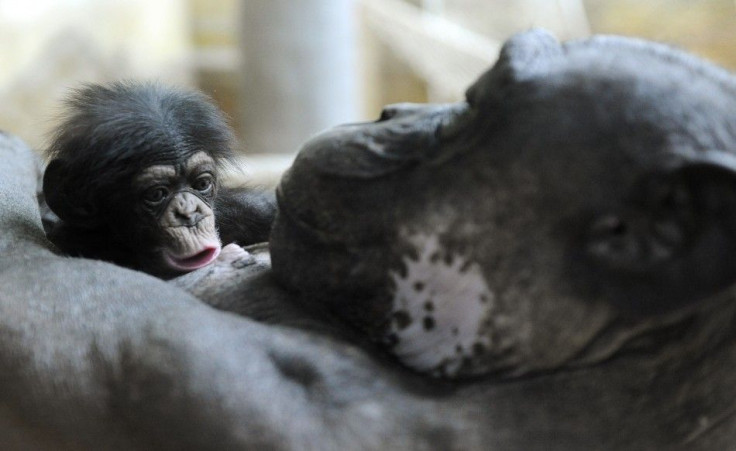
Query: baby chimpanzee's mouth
{"points": [[195, 261]]}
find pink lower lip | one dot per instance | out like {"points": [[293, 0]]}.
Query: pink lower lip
{"points": [[196, 261]]}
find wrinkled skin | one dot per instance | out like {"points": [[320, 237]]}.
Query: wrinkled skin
{"points": [[535, 226], [582, 216], [175, 204]]}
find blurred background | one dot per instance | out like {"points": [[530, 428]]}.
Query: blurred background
{"points": [[283, 70]]}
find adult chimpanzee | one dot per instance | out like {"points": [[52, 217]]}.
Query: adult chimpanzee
{"points": [[134, 179], [565, 241]]}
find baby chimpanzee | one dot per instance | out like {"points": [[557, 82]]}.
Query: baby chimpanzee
{"points": [[134, 178]]}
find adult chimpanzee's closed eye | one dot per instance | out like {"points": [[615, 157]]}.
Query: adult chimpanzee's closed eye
{"points": [[134, 179]]}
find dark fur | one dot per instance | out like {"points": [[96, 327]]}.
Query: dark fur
{"points": [[244, 215], [110, 133], [117, 129]]}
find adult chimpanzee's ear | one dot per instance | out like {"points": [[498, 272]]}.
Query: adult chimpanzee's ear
{"points": [[65, 198], [674, 242], [524, 56]]}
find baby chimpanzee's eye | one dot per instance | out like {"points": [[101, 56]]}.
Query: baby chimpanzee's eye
{"points": [[203, 184], [155, 195]]}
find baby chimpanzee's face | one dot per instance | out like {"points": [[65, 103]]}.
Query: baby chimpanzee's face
{"points": [[176, 201]]}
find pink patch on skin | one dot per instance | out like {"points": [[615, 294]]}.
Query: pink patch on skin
{"points": [[195, 261]]}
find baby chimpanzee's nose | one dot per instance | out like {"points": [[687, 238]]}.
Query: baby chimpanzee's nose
{"points": [[185, 209]]}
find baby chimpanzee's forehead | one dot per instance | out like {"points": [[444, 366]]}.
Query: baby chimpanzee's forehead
{"points": [[173, 168]]}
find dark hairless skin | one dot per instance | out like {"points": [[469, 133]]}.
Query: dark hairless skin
{"points": [[547, 266]]}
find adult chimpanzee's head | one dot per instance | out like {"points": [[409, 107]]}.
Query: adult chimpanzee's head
{"points": [[583, 197], [137, 165]]}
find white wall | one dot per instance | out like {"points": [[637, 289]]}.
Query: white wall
{"points": [[299, 71]]}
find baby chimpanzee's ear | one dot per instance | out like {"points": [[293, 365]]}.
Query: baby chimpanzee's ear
{"points": [[67, 197], [674, 242]]}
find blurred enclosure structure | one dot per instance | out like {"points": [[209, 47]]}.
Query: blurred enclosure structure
{"points": [[285, 69]]}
